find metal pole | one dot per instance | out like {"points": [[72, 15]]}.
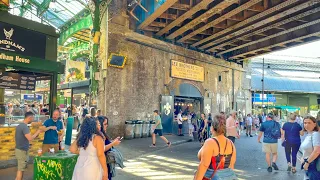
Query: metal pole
{"points": [[53, 93], [233, 97], [262, 81]]}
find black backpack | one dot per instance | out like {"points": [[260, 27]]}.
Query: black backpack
{"points": [[275, 131]]}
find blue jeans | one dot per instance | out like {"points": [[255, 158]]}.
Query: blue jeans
{"points": [[312, 172], [222, 174]]}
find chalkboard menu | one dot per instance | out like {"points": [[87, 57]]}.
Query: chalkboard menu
{"points": [[117, 60], [17, 81]]}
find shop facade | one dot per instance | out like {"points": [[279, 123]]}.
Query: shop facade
{"points": [[162, 76], [28, 55]]}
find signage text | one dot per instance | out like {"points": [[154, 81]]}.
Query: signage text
{"points": [[187, 71]]}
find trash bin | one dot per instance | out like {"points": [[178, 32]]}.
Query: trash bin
{"points": [[138, 129], [151, 130], [58, 166], [145, 129], [129, 129]]}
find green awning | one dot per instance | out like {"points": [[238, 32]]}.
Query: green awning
{"points": [[30, 63], [287, 108]]}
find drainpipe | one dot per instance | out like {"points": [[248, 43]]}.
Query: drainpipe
{"points": [[233, 98]]}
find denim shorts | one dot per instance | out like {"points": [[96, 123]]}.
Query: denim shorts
{"points": [[222, 174]]}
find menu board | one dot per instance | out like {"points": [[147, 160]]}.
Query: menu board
{"points": [[10, 80]]}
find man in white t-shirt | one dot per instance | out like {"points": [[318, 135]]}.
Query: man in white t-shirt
{"points": [[179, 119], [249, 125]]}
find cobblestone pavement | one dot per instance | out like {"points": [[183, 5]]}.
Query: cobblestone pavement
{"points": [[179, 161]]}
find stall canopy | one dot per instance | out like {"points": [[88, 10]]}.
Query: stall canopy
{"points": [[287, 108]]}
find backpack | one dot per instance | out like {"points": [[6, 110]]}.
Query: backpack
{"points": [[84, 112], [275, 131]]}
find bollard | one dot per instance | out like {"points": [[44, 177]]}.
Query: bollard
{"points": [[70, 122]]}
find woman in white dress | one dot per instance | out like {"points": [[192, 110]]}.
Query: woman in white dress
{"points": [[91, 163]]}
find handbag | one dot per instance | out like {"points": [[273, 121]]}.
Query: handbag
{"points": [[317, 160], [284, 143]]}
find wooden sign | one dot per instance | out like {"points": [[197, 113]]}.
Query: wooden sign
{"points": [[187, 71]]}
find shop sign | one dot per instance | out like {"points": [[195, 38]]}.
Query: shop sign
{"points": [[10, 80], [18, 59], [31, 97], [187, 71], [22, 41]]}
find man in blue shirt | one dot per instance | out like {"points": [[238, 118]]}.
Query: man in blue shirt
{"points": [[270, 142], [53, 129]]}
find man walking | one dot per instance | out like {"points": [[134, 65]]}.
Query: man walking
{"points": [[22, 138], [271, 131], [231, 127], [249, 123], [179, 119], [53, 128], [157, 129]]}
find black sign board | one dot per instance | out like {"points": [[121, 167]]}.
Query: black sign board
{"points": [[117, 60], [22, 41], [17, 81]]}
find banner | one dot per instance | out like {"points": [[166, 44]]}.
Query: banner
{"points": [[75, 71], [187, 71]]}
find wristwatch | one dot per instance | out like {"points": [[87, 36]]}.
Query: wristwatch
{"points": [[306, 161]]}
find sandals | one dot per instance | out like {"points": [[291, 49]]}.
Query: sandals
{"points": [[289, 168], [294, 170]]}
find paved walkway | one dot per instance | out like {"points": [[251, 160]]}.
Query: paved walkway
{"points": [[130, 149], [180, 161]]}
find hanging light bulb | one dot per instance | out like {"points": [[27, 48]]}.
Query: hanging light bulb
{"points": [[182, 104], [175, 104]]}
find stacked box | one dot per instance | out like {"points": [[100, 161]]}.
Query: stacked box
{"points": [[7, 143]]}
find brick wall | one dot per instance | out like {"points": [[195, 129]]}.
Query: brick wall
{"points": [[133, 92]]}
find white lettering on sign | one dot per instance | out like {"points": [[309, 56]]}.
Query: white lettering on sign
{"points": [[8, 42]]}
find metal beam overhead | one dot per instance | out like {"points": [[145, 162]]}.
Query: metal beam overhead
{"points": [[304, 14], [300, 34], [214, 10], [243, 23], [163, 8], [201, 5]]}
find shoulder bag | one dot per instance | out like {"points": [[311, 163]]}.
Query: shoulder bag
{"points": [[317, 160]]}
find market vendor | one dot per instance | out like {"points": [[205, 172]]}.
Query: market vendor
{"points": [[54, 132]]}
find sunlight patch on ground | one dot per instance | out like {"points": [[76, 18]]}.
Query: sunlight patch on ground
{"points": [[149, 168]]}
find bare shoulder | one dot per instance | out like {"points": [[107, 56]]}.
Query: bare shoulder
{"points": [[210, 141], [97, 138]]}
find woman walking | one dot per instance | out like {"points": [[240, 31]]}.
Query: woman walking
{"points": [[217, 156], [311, 148], [290, 135], [202, 132], [91, 163]]}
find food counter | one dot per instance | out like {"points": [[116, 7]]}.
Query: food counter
{"points": [[7, 140]]}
